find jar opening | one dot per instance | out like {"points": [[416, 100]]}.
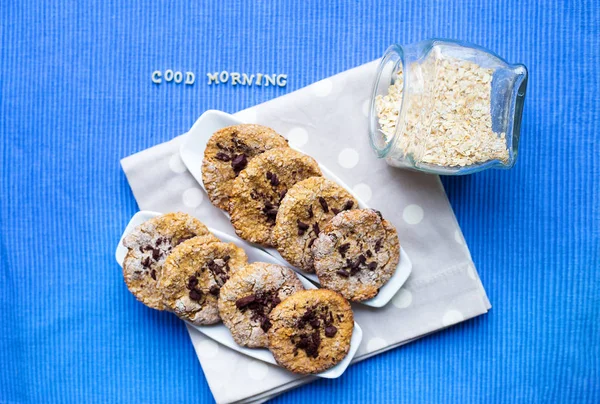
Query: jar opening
{"points": [[386, 106]]}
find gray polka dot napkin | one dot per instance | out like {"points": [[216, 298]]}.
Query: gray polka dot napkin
{"points": [[328, 120]]}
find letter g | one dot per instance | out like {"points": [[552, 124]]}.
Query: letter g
{"points": [[156, 77]]}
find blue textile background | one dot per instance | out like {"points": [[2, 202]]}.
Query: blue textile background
{"points": [[76, 97]]}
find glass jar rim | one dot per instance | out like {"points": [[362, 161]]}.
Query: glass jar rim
{"points": [[394, 50]]}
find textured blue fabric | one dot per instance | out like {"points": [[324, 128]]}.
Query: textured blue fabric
{"points": [[76, 97]]}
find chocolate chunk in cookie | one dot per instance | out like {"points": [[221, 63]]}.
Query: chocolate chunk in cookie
{"points": [[249, 296], [311, 331], [307, 207], [228, 152], [259, 189], [148, 246], [193, 276], [356, 254]]}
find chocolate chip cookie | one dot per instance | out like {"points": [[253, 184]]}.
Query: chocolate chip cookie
{"points": [[193, 275], [311, 331], [149, 244], [259, 189], [228, 152], [356, 254], [249, 296], [307, 207]]}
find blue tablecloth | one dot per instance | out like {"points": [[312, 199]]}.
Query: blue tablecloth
{"points": [[76, 96]]}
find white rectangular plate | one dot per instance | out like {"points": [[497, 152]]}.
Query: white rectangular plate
{"points": [[219, 332], [192, 154]]}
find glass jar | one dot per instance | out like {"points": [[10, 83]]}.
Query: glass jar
{"points": [[446, 107]]}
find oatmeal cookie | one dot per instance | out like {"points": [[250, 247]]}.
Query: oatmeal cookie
{"points": [[148, 246], [249, 296], [228, 152], [193, 275], [259, 189], [356, 254], [307, 207], [311, 331]]}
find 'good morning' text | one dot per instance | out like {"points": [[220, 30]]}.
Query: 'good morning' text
{"points": [[224, 77]]}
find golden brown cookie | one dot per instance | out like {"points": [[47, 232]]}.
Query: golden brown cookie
{"points": [[249, 296], [228, 152], [193, 275], [148, 246], [356, 253], [307, 207], [311, 331], [259, 189]]}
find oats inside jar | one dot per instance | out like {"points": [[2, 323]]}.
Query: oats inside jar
{"points": [[447, 118]]}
